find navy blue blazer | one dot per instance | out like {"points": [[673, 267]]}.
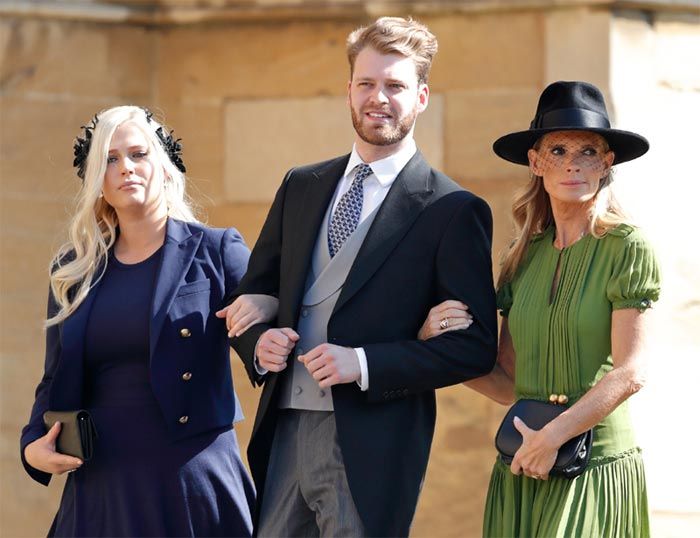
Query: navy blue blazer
{"points": [[200, 268]]}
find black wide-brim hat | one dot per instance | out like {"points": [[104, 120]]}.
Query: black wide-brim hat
{"points": [[571, 106]]}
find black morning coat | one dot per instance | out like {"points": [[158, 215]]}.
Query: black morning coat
{"points": [[430, 241]]}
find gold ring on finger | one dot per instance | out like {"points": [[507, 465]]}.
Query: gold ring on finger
{"points": [[445, 323]]}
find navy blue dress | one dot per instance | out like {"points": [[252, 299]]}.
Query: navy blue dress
{"points": [[139, 483]]}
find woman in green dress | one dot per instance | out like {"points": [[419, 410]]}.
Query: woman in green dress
{"points": [[573, 290]]}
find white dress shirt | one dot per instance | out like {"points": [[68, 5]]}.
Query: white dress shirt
{"points": [[377, 185], [375, 188]]}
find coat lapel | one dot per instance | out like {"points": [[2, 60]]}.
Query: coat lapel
{"points": [[69, 375], [405, 200], [178, 252], [312, 209]]}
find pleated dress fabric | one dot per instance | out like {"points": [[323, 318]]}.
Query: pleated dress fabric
{"points": [[139, 482], [562, 346]]}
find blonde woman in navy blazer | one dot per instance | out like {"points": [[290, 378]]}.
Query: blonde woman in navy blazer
{"points": [[133, 336]]}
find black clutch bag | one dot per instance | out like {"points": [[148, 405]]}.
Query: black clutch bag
{"points": [[573, 456], [78, 433]]}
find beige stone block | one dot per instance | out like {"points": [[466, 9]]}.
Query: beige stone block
{"points": [[650, 58], [23, 315], [27, 507], [266, 138], [473, 121], [248, 219], [499, 194], [281, 134], [489, 50], [430, 131], [25, 257], [200, 126], [632, 46], [36, 220], [61, 61], [460, 465], [256, 60], [21, 373], [677, 54], [577, 46], [249, 397], [455, 487], [36, 153]]}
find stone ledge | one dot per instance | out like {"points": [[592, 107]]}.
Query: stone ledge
{"points": [[148, 13]]}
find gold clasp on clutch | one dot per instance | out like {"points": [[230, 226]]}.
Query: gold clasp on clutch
{"points": [[560, 399]]}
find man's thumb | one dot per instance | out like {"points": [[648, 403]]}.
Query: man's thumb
{"points": [[290, 333]]}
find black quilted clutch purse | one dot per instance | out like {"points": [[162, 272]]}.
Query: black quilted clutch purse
{"points": [[573, 456], [78, 433]]}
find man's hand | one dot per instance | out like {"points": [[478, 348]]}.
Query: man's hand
{"points": [[273, 348], [41, 454], [332, 365]]}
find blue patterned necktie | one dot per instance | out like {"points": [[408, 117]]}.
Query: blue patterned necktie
{"points": [[347, 213]]}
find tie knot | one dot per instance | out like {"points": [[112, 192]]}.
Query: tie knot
{"points": [[362, 172]]}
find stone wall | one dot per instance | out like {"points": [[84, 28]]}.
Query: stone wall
{"points": [[257, 87], [655, 81]]}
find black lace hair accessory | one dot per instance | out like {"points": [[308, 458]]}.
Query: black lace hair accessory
{"points": [[81, 148], [170, 144]]}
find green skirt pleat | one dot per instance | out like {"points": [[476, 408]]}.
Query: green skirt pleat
{"points": [[608, 500]]}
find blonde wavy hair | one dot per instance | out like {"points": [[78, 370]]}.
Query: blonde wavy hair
{"points": [[92, 230], [532, 215]]}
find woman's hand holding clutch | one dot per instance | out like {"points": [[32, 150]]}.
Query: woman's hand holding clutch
{"points": [[538, 453], [41, 454]]}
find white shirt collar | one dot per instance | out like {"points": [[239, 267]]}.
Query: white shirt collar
{"points": [[385, 170]]}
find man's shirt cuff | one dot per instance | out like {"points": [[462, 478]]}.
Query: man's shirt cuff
{"points": [[363, 383]]}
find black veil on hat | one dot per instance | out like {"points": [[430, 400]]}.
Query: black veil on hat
{"points": [[570, 106]]}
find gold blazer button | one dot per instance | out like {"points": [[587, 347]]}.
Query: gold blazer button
{"points": [[185, 333], [187, 376], [183, 419]]}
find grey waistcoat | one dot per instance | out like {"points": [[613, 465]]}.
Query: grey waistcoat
{"points": [[323, 286]]}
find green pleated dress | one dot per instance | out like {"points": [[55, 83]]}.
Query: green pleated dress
{"points": [[564, 348]]}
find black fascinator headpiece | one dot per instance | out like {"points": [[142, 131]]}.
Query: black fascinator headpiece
{"points": [[81, 148], [171, 145]]}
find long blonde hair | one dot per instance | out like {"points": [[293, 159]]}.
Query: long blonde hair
{"points": [[532, 214], [93, 228]]}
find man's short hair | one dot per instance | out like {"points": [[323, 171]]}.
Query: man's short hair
{"points": [[396, 35]]}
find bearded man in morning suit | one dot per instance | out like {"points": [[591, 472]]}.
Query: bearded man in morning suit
{"points": [[358, 249]]}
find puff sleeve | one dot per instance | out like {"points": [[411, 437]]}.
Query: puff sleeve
{"points": [[504, 299], [635, 281]]}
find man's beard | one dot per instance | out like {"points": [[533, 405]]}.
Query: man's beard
{"points": [[384, 135]]}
